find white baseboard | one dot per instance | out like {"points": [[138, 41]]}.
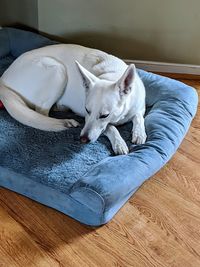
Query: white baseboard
{"points": [[165, 67]]}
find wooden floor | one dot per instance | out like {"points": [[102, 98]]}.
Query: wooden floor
{"points": [[159, 226]]}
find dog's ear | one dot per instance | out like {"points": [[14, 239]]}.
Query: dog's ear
{"points": [[89, 79], [125, 82]]}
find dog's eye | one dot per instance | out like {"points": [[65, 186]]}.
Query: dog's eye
{"points": [[103, 116], [87, 110]]}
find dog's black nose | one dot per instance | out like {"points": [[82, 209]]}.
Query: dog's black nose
{"points": [[84, 139]]}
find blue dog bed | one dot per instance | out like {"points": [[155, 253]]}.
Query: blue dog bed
{"points": [[87, 182]]}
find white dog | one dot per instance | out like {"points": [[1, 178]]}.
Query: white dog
{"points": [[101, 88]]}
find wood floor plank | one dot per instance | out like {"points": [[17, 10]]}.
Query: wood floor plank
{"points": [[35, 221], [158, 227], [15, 245]]}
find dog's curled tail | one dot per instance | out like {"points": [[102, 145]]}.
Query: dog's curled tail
{"points": [[18, 109]]}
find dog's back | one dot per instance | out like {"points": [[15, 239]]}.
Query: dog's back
{"points": [[33, 73]]}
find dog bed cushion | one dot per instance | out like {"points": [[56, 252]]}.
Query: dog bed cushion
{"points": [[87, 182]]}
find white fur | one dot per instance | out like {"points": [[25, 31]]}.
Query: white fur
{"points": [[73, 76]]}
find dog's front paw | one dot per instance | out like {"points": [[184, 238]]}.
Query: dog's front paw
{"points": [[69, 123], [139, 137], [120, 147]]}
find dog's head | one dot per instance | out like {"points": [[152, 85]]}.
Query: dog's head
{"points": [[105, 101]]}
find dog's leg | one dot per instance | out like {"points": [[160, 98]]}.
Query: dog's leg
{"points": [[60, 108], [42, 111], [138, 132], [118, 144]]}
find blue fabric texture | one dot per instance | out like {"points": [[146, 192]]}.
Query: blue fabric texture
{"points": [[87, 182]]}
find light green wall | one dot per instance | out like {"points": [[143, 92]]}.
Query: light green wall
{"points": [[19, 12], [163, 30]]}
